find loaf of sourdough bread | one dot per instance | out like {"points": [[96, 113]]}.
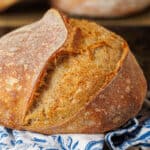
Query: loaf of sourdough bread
{"points": [[101, 8], [62, 75]]}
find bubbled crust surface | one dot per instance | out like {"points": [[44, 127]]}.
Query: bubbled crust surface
{"points": [[95, 50], [101, 8]]}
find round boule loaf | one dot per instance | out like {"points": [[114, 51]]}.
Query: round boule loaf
{"points": [[63, 75]]}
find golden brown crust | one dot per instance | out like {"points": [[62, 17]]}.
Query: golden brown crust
{"points": [[25, 58], [101, 8]]}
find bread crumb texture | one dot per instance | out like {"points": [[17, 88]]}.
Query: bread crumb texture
{"points": [[92, 55]]}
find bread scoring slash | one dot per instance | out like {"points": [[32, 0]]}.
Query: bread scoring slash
{"points": [[63, 75]]}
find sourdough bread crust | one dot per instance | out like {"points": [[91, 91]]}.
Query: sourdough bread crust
{"points": [[113, 106], [115, 103], [101, 8]]}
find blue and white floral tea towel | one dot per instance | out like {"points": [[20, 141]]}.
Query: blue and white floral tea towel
{"points": [[132, 135], [135, 133], [24, 140]]}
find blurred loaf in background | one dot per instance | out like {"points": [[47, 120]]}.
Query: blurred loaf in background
{"points": [[89, 8], [101, 8], [4, 4]]}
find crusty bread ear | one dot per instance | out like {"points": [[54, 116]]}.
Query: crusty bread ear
{"points": [[24, 55]]}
